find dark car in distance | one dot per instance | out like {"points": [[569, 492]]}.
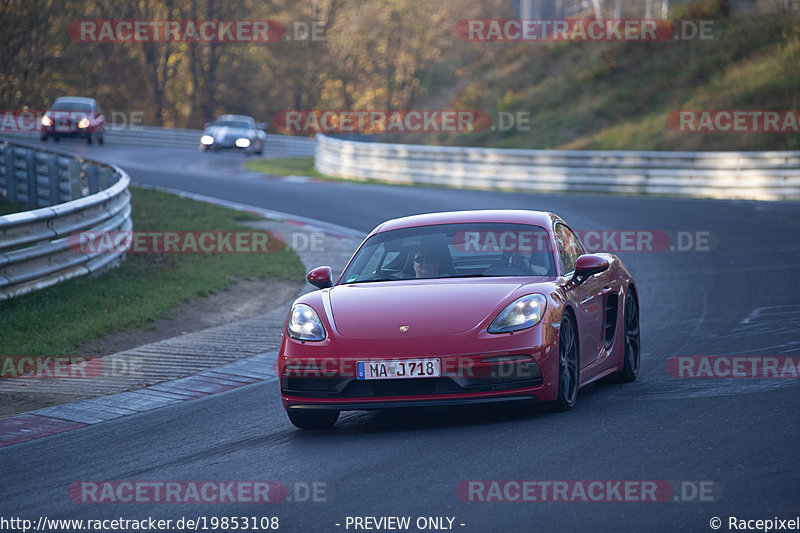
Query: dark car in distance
{"points": [[74, 116]]}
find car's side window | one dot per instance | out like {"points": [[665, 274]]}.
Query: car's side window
{"points": [[569, 247]]}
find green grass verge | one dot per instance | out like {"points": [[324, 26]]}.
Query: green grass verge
{"points": [[304, 166], [286, 166], [146, 287]]}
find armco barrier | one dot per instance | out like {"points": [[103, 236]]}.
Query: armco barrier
{"points": [[66, 194], [283, 145], [181, 138], [740, 175]]}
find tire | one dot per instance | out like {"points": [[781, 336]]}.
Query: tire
{"points": [[100, 139], [568, 365], [632, 338], [89, 138], [313, 418], [56, 138], [43, 137]]}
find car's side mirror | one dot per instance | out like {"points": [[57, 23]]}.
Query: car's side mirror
{"points": [[588, 265], [321, 277], [208, 124], [261, 125]]}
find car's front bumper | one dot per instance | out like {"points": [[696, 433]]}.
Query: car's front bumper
{"points": [[518, 370], [400, 404], [67, 132], [228, 144]]}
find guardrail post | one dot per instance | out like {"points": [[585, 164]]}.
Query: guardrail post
{"points": [[52, 178], [33, 186], [91, 171], [11, 173], [103, 178], [75, 189]]}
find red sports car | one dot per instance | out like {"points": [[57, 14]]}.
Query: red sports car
{"points": [[457, 308]]}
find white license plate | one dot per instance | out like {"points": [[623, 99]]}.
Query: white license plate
{"points": [[406, 369]]}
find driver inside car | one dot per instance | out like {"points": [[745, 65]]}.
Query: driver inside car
{"points": [[430, 262], [426, 264]]}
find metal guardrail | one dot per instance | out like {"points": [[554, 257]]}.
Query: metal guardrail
{"points": [[731, 175], [283, 145], [68, 194], [183, 138]]}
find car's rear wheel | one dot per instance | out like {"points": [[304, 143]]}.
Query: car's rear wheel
{"points": [[43, 136], [567, 365], [313, 418], [632, 338], [89, 138]]}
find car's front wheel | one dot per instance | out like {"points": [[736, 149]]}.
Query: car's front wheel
{"points": [[633, 348], [313, 418], [567, 365]]}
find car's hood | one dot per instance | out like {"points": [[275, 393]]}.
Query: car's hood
{"points": [[427, 307], [222, 131]]}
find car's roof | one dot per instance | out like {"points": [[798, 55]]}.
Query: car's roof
{"points": [[514, 216], [76, 99], [236, 117]]}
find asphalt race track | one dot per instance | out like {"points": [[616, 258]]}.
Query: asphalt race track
{"points": [[739, 436]]}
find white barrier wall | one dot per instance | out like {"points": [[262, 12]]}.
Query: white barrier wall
{"points": [[742, 175]]}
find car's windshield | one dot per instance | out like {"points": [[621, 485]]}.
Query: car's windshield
{"points": [[233, 124], [454, 250], [72, 106]]}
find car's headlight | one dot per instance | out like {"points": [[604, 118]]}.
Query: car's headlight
{"points": [[207, 140], [241, 142], [47, 121], [84, 123], [304, 324], [520, 314]]}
